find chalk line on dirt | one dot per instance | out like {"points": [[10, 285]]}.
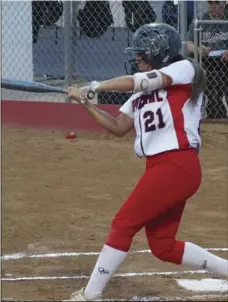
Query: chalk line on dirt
{"points": [[17, 256], [116, 275], [157, 298]]}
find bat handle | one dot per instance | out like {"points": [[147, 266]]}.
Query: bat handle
{"points": [[90, 94]]}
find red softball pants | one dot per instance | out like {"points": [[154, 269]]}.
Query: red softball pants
{"points": [[157, 203]]}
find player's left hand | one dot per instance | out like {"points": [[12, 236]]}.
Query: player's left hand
{"points": [[78, 94], [225, 56]]}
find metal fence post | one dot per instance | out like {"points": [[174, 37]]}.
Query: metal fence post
{"points": [[195, 11], [68, 44], [196, 57], [183, 26]]}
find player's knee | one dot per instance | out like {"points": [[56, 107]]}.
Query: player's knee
{"points": [[120, 236], [167, 250]]}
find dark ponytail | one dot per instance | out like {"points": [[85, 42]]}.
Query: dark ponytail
{"points": [[199, 81]]}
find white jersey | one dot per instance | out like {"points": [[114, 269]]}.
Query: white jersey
{"points": [[166, 119]]}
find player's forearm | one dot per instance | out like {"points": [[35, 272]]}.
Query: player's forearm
{"points": [[124, 84], [105, 119], [139, 82]]}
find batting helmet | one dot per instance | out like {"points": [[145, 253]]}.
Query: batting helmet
{"points": [[158, 43]]}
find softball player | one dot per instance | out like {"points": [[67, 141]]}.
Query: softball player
{"points": [[165, 110]]}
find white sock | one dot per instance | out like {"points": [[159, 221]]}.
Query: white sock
{"points": [[107, 263], [202, 259]]}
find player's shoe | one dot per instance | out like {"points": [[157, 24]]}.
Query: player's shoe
{"points": [[79, 296]]}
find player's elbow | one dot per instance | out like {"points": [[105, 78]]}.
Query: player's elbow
{"points": [[119, 132], [116, 130], [123, 124]]}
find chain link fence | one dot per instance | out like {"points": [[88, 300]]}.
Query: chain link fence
{"points": [[211, 38], [216, 65], [73, 42], [33, 46], [65, 43]]}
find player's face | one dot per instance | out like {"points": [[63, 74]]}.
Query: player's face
{"points": [[142, 65], [216, 8]]}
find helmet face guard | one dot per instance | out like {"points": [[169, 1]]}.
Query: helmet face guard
{"points": [[131, 67]]}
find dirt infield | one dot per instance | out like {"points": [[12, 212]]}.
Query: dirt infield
{"points": [[59, 196]]}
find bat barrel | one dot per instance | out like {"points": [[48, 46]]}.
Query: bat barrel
{"points": [[30, 86], [36, 87]]}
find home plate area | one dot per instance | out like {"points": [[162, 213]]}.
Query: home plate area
{"points": [[58, 200], [49, 277], [204, 285]]}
